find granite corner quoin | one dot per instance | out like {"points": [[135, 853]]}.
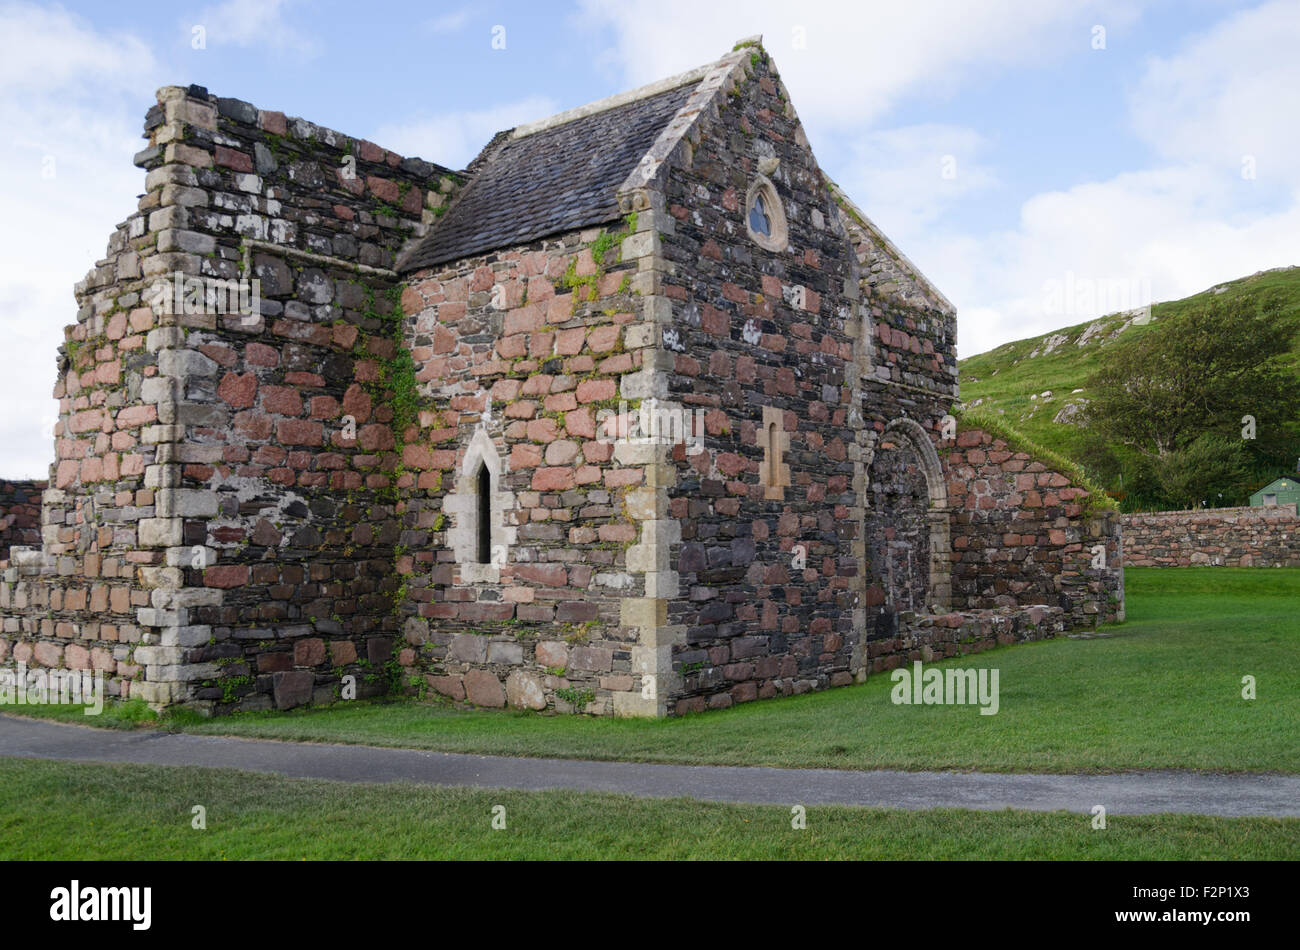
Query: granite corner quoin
{"points": [[404, 470]]}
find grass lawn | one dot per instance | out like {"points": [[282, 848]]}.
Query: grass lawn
{"points": [[1163, 691], [58, 810]]}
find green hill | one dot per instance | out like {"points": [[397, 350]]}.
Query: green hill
{"points": [[1036, 384]]}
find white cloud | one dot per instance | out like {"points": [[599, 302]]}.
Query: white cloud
{"points": [[453, 139], [1229, 93], [47, 50], [1169, 232], [72, 102], [1183, 226], [448, 22], [252, 23], [856, 60], [906, 178]]}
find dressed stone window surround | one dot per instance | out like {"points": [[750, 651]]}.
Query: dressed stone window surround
{"points": [[764, 215], [465, 509], [773, 473]]}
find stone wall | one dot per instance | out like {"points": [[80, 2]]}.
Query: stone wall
{"points": [[517, 354], [216, 531], [815, 357], [1023, 534], [942, 636], [761, 563], [761, 341], [1229, 537], [20, 515]]}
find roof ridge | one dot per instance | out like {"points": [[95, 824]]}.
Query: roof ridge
{"points": [[612, 102]]}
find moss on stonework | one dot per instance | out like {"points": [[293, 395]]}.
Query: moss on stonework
{"points": [[1097, 499], [601, 247], [397, 388], [585, 289], [279, 146]]}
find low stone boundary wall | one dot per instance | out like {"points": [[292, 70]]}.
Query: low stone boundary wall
{"points": [[924, 637], [931, 637], [1228, 537]]}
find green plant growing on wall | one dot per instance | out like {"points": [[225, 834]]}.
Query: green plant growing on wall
{"points": [[392, 675], [231, 684], [575, 633], [585, 288], [396, 385], [601, 247], [418, 683], [575, 697], [398, 596]]}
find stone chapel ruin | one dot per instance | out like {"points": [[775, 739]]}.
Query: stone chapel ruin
{"points": [[413, 453]]}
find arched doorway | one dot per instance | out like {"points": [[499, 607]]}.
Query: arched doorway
{"points": [[907, 523]]}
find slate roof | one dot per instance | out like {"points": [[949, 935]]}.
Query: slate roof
{"points": [[553, 180]]}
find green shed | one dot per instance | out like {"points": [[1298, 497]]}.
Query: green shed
{"points": [[1280, 491]]}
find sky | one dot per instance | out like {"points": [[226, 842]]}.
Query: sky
{"points": [[1130, 151]]}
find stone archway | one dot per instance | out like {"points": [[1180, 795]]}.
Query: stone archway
{"points": [[907, 520]]}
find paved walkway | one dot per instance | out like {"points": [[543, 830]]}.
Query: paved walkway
{"points": [[1127, 793]]}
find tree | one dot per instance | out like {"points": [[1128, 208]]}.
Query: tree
{"points": [[1197, 373], [1209, 471], [1168, 414]]}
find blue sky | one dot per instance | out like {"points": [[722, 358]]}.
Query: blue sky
{"points": [[993, 142]]}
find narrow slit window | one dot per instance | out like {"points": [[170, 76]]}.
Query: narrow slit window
{"points": [[484, 516], [773, 456]]}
